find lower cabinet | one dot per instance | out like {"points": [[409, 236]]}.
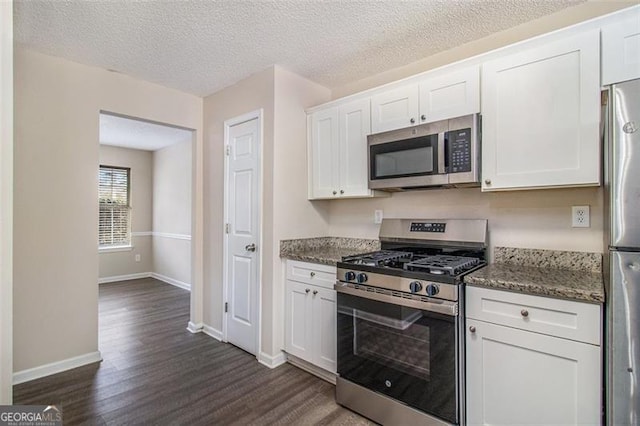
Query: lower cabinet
{"points": [[518, 376], [310, 321]]}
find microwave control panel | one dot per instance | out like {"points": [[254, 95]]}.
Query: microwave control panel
{"points": [[459, 150]]}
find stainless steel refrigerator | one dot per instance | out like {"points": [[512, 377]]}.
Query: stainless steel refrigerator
{"points": [[622, 257]]}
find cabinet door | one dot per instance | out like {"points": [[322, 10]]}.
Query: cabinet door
{"points": [[541, 115], [394, 109], [323, 154], [621, 50], [323, 328], [451, 95], [519, 377], [355, 124], [298, 341]]}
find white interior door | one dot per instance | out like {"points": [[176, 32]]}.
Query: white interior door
{"points": [[243, 234]]}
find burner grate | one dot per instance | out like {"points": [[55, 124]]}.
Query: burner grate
{"points": [[378, 258], [442, 264]]}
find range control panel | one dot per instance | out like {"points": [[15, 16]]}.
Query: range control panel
{"points": [[459, 150], [428, 227]]}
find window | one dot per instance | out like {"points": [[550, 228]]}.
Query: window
{"points": [[114, 227]]}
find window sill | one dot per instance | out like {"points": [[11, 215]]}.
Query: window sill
{"points": [[114, 249]]}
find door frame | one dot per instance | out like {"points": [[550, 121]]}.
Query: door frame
{"points": [[256, 114]]}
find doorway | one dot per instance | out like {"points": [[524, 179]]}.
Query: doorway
{"points": [[243, 237], [146, 192]]}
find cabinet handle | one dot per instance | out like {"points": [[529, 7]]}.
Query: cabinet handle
{"points": [[315, 292], [423, 117], [413, 120], [472, 329], [487, 181], [312, 274], [335, 192], [524, 313], [306, 290], [342, 191]]}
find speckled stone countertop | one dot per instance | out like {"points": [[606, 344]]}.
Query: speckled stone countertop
{"points": [[560, 274], [325, 250]]}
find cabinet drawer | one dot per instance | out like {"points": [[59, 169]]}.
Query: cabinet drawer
{"points": [[311, 273], [562, 318]]}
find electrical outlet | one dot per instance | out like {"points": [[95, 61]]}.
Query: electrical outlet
{"points": [[377, 216], [137, 258], [580, 217]]}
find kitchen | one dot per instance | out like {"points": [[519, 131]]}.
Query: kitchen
{"points": [[541, 218]]}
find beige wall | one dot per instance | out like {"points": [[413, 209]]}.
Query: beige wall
{"points": [[533, 219], [6, 200], [172, 212], [294, 216], [283, 96], [113, 264], [252, 93], [57, 105], [545, 24]]}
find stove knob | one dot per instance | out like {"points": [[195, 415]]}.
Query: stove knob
{"points": [[349, 276], [415, 286], [432, 290], [361, 278]]}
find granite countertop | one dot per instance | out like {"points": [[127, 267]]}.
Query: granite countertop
{"points": [[325, 250], [564, 275]]}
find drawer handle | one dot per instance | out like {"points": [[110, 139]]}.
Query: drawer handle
{"points": [[315, 292], [524, 313], [313, 274], [306, 290], [472, 329]]}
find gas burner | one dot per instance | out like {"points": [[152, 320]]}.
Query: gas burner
{"points": [[378, 258], [442, 264]]}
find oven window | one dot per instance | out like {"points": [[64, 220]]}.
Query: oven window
{"points": [[404, 353], [393, 342], [411, 157]]}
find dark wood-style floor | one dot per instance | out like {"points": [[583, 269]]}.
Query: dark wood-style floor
{"points": [[156, 372]]}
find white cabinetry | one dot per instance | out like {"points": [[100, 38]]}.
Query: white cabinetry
{"points": [[449, 95], [310, 309], [531, 360], [338, 151], [621, 49], [541, 115]]}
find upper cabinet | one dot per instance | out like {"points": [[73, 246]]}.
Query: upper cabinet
{"points": [[338, 151], [449, 95], [621, 50], [541, 115]]}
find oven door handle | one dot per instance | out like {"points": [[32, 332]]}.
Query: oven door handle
{"points": [[445, 307]]}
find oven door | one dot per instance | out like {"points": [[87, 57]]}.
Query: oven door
{"points": [[400, 348]]}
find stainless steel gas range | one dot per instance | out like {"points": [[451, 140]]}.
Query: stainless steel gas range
{"points": [[400, 321]]}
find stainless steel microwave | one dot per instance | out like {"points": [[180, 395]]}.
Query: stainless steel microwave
{"points": [[439, 154]]}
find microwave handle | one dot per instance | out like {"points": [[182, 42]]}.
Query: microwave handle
{"points": [[442, 166]]}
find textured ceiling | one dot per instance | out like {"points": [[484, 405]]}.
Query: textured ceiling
{"points": [[203, 46], [136, 134]]}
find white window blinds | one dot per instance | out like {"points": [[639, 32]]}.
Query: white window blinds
{"points": [[114, 227]]}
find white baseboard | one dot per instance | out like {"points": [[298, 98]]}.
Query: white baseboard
{"points": [[124, 277], [272, 361], [172, 281], [313, 369], [194, 328], [210, 331], [55, 367]]}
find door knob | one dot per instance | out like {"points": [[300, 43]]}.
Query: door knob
{"points": [[250, 247], [472, 329], [315, 292], [413, 120]]}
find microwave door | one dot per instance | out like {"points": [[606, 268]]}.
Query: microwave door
{"points": [[405, 163]]}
